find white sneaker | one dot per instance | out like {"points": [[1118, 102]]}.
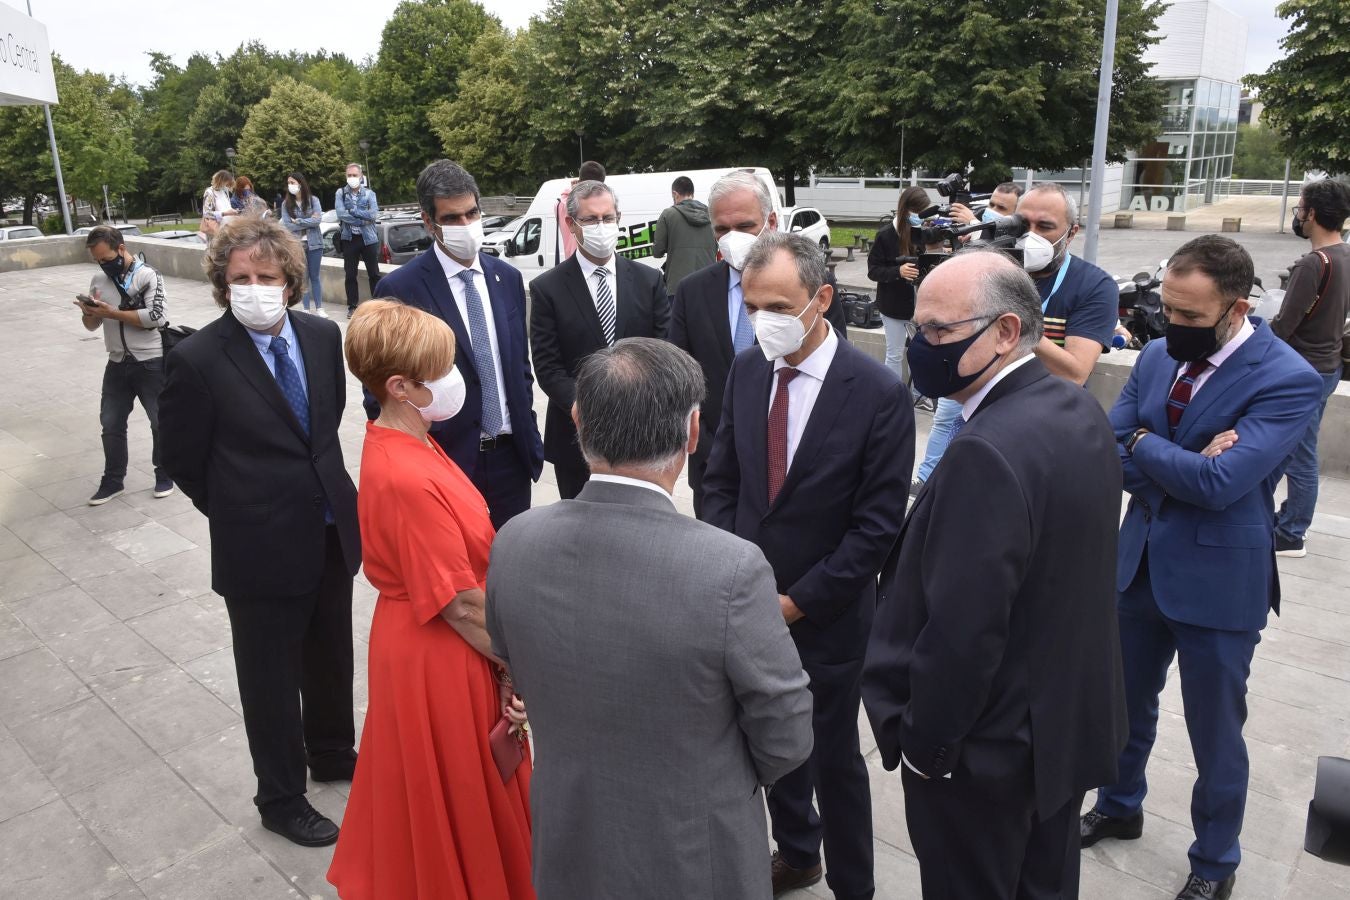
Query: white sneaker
{"points": [[320, 313]]}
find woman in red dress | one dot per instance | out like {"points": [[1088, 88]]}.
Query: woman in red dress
{"points": [[428, 816]]}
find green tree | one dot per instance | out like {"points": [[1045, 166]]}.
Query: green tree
{"points": [[297, 127], [988, 83], [243, 79], [1307, 94], [167, 104], [486, 127], [423, 49], [335, 75], [1258, 153]]}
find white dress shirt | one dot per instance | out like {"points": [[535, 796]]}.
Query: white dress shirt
{"points": [[1218, 358], [634, 482], [452, 269], [588, 271], [804, 389], [973, 402]]}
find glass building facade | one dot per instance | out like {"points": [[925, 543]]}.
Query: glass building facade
{"points": [[1191, 161]]}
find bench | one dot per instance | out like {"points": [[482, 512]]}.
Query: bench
{"points": [[1176, 223], [162, 218], [1124, 220]]}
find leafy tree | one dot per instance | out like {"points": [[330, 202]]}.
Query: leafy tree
{"points": [[243, 79], [1258, 153], [423, 49], [986, 82], [168, 103], [1307, 94], [335, 75], [486, 127], [298, 127]]}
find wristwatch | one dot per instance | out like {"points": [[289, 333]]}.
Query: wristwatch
{"points": [[1134, 439]]}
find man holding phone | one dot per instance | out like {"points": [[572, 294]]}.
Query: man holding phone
{"points": [[126, 299]]}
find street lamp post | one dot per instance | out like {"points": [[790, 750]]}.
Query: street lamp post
{"points": [[229, 155], [581, 148], [365, 158]]}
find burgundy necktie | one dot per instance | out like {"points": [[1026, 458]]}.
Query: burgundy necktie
{"points": [[778, 443], [1180, 397]]}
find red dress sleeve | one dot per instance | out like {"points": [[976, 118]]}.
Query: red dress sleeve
{"points": [[433, 557]]}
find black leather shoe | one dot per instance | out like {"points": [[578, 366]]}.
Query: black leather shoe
{"points": [[786, 878], [300, 823], [334, 768], [1198, 888], [1094, 827]]}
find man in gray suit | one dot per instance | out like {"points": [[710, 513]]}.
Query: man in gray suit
{"points": [[661, 681]]}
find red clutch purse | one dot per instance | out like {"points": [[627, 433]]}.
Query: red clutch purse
{"points": [[508, 750]]}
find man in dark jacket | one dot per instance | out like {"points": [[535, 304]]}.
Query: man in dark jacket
{"points": [[684, 235]]}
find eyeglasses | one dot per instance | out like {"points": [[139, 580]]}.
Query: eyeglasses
{"points": [[596, 220], [938, 332]]}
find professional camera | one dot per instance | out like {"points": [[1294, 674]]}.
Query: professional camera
{"points": [[1001, 235], [955, 189]]}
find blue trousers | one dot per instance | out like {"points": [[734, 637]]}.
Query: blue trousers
{"points": [[1214, 665], [1300, 470], [944, 420], [897, 336], [313, 262]]}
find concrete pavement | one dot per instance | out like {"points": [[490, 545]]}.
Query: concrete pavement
{"points": [[124, 771]]}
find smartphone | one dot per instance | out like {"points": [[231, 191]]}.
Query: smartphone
{"points": [[85, 299]]}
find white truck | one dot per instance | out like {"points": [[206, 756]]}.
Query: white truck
{"points": [[533, 244]]}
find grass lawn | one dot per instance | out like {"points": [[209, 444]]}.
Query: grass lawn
{"points": [[842, 235]]}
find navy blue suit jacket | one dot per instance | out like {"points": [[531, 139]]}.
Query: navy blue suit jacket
{"points": [[1207, 522], [842, 504], [421, 283]]}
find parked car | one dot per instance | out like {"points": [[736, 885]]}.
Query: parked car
{"points": [[175, 235], [807, 222], [19, 232], [493, 224], [401, 239]]}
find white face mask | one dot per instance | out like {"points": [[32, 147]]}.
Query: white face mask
{"points": [[447, 398], [735, 246], [1037, 252], [353, 182], [258, 306], [600, 239], [293, 188], [780, 334], [463, 241]]}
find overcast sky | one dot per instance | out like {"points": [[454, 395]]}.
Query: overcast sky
{"points": [[114, 38]]}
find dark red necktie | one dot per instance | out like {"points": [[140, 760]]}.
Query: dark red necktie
{"points": [[778, 443], [1180, 398]]}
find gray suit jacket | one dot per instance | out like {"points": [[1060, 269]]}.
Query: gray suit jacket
{"points": [[663, 689]]}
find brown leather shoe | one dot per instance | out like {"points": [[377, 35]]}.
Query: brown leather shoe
{"points": [[786, 878]]}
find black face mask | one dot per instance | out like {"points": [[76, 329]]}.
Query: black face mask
{"points": [[113, 267], [934, 366], [1188, 343], [1298, 227]]}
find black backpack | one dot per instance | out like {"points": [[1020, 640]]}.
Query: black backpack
{"points": [[860, 310]]}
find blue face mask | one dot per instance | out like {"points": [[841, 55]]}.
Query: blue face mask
{"points": [[934, 366], [990, 216], [915, 220]]}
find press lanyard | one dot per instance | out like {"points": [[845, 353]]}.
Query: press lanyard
{"points": [[1059, 279], [126, 286]]}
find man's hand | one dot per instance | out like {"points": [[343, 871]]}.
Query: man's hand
{"points": [[909, 272], [790, 611], [97, 310], [1222, 441], [961, 213]]}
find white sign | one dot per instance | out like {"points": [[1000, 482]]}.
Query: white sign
{"points": [[1156, 203], [26, 75]]}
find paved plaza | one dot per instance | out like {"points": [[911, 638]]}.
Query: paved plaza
{"points": [[124, 771]]}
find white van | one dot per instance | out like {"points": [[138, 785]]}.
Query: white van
{"points": [[533, 245]]}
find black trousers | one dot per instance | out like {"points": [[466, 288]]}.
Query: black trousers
{"points": [[977, 841], [293, 656], [503, 481], [837, 775], [124, 383], [698, 464], [354, 250], [571, 479]]}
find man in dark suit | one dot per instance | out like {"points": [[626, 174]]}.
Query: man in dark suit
{"points": [[494, 438], [590, 300], [1204, 424], [708, 319], [812, 463], [993, 671], [249, 420]]}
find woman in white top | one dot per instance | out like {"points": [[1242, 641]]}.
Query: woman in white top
{"points": [[216, 203]]}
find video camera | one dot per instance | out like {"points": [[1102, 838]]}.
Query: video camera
{"points": [[1003, 237], [955, 189]]}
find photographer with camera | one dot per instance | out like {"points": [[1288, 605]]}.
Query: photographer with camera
{"points": [[1002, 203], [1078, 300], [897, 241]]}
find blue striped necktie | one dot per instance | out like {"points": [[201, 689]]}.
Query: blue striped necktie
{"points": [[288, 379], [482, 356]]}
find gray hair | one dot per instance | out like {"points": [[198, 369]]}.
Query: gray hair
{"points": [[584, 190], [1004, 289], [634, 401], [1070, 204], [805, 254], [734, 182], [356, 166], [443, 178]]}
